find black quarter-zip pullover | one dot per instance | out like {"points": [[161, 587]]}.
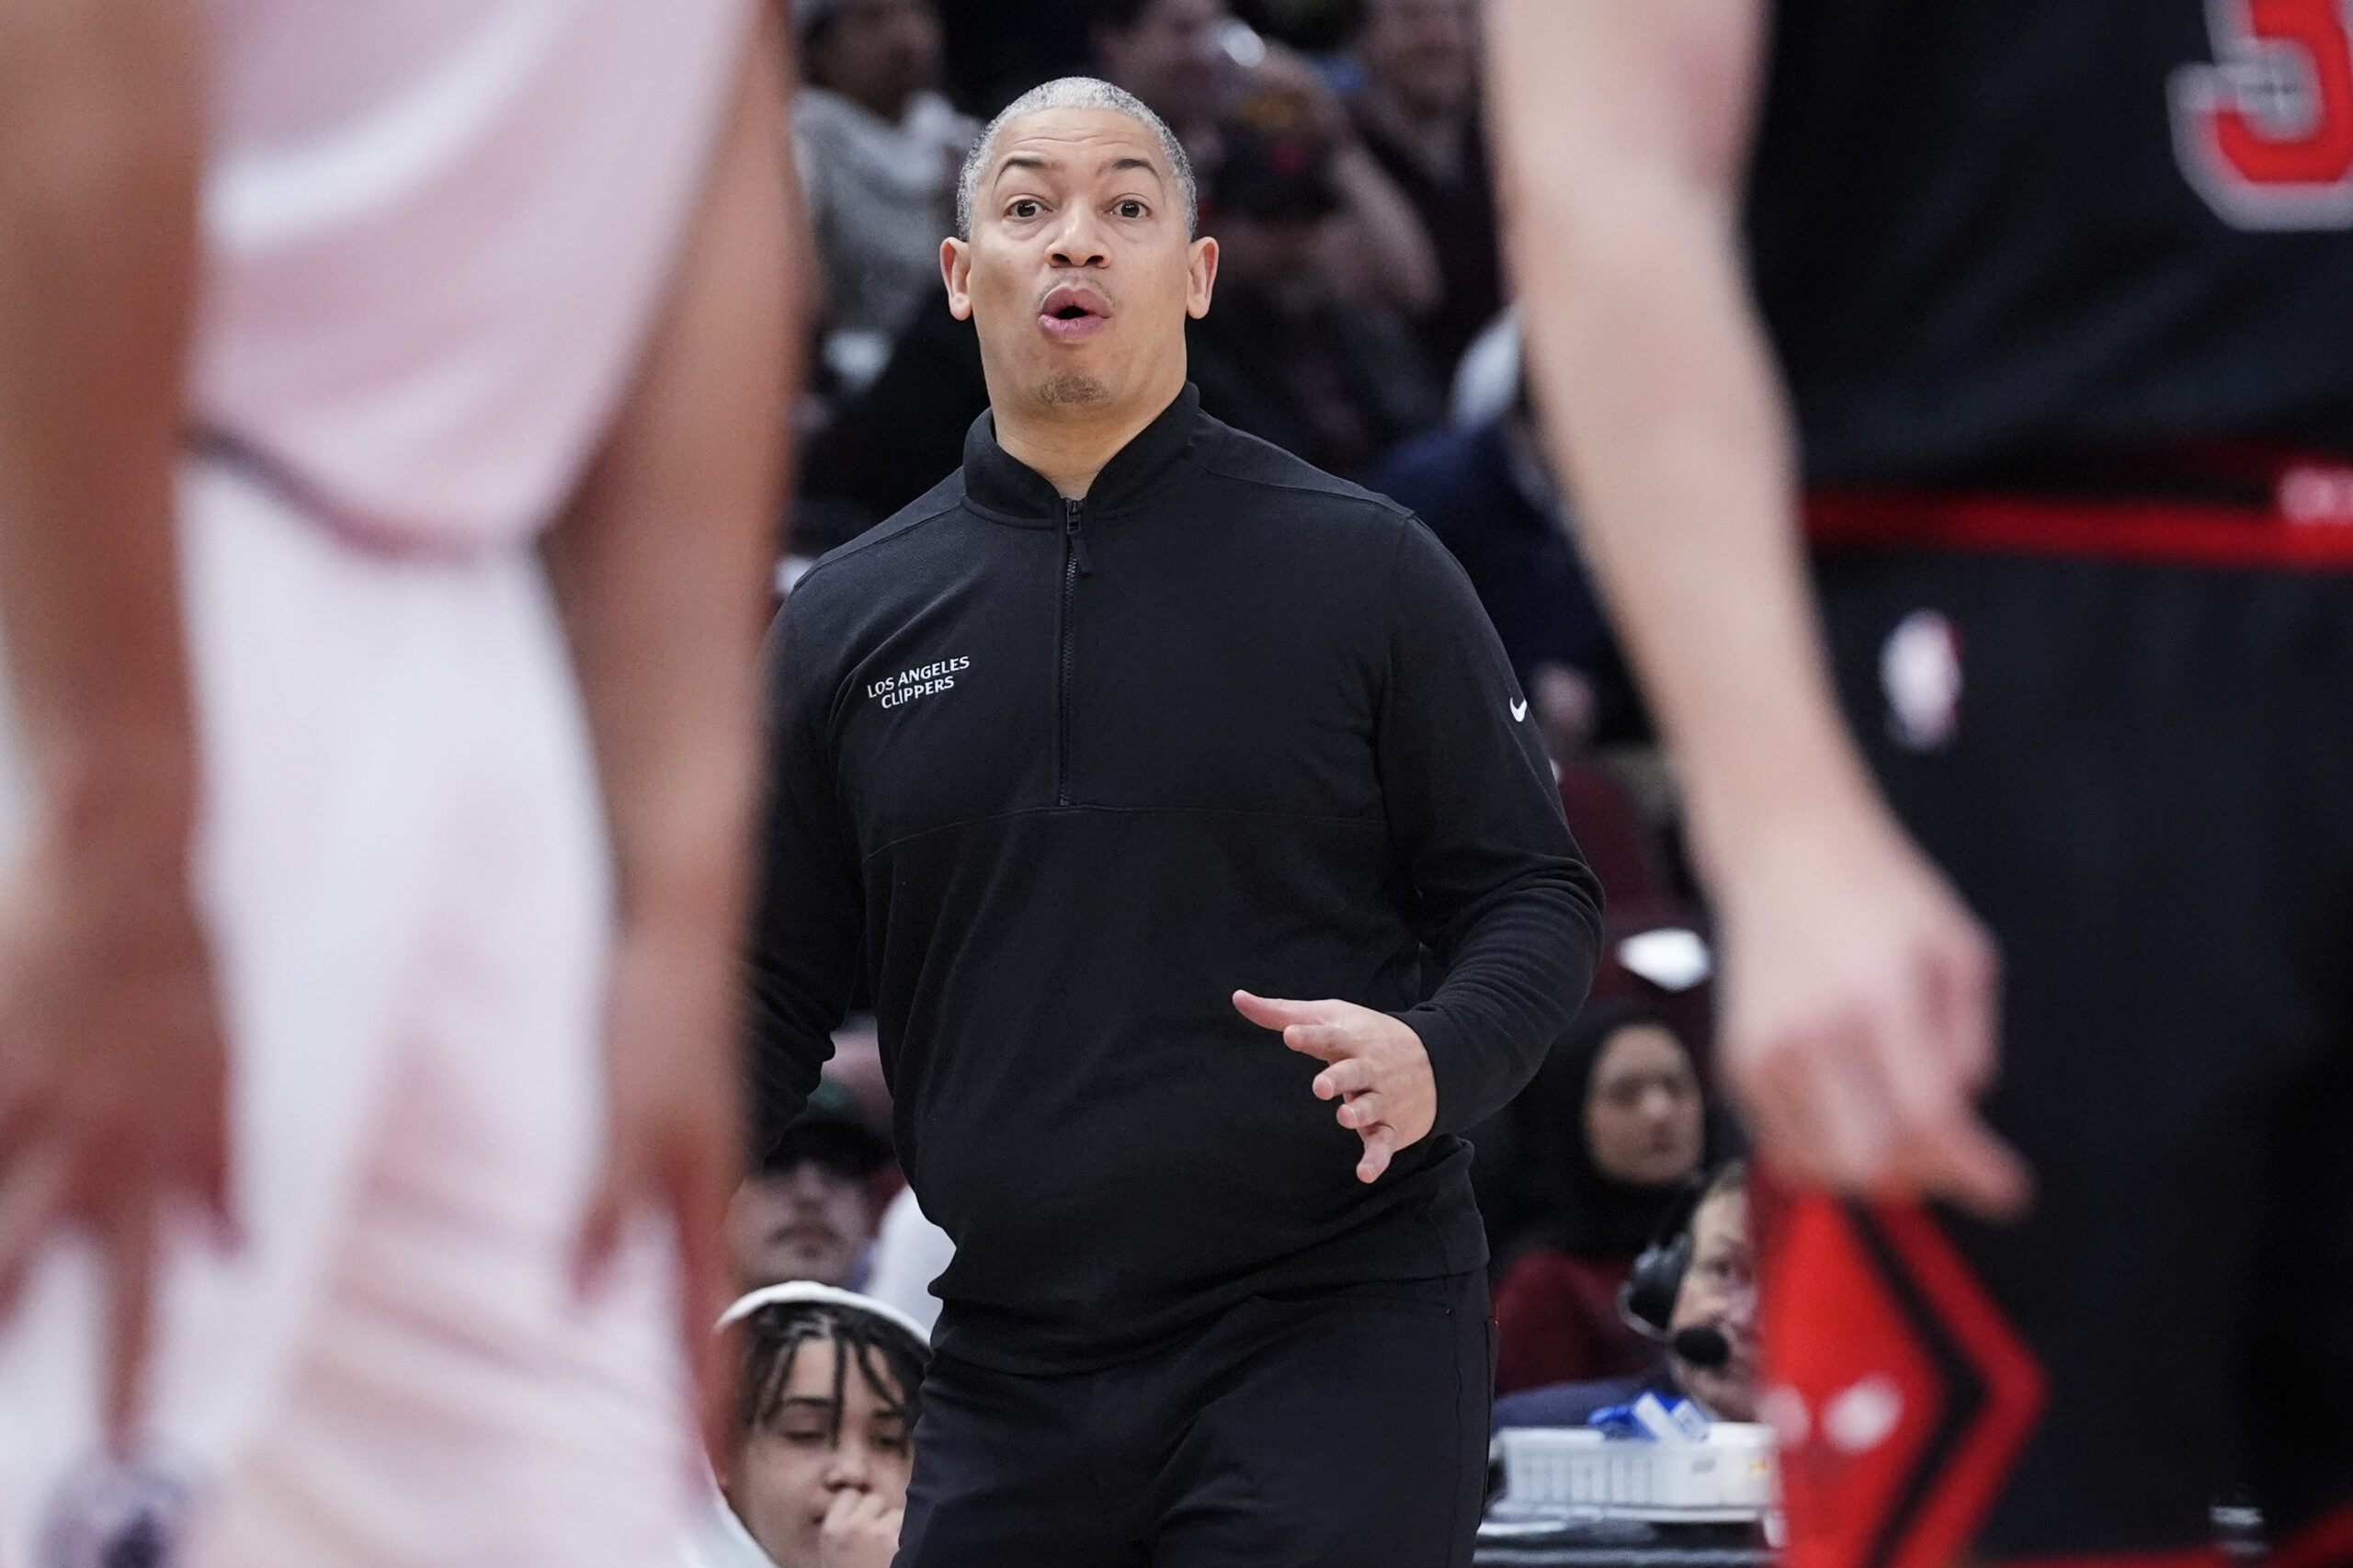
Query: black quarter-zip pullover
{"points": [[1056, 777]]}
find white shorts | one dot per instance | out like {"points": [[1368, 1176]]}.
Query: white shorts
{"points": [[404, 872]]}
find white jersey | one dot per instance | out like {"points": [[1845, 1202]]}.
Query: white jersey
{"points": [[435, 233], [436, 236]]}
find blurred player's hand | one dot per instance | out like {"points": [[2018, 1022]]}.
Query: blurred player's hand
{"points": [[674, 1133], [1859, 1015], [860, 1530], [113, 1074], [1379, 1070]]}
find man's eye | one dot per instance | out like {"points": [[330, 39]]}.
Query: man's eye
{"points": [[1130, 210], [1023, 209]]}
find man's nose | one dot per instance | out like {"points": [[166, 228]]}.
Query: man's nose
{"points": [[1080, 243]]}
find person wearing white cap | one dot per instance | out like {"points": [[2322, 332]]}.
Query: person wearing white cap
{"points": [[818, 1475]]}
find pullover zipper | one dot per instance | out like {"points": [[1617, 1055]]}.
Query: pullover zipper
{"points": [[1074, 565]]}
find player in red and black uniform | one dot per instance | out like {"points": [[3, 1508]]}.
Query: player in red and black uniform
{"points": [[2034, 320]]}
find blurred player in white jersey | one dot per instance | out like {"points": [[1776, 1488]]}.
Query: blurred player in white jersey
{"points": [[390, 428]]}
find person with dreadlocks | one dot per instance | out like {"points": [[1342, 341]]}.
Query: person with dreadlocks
{"points": [[826, 1396]]}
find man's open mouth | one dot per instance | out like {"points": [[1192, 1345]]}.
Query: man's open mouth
{"points": [[1070, 312]]}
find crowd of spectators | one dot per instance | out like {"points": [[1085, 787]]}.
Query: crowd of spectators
{"points": [[1347, 188], [1359, 316]]}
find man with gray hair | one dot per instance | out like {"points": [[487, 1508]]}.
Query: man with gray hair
{"points": [[1131, 712], [1073, 93]]}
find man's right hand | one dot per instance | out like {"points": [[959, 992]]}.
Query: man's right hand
{"points": [[1859, 1015], [113, 1073]]}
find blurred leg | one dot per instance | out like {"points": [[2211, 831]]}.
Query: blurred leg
{"points": [[323, 792], [2304, 1344], [454, 1404], [2125, 801], [404, 872]]}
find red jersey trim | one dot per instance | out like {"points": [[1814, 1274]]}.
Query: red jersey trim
{"points": [[2309, 527], [1979, 1464], [1902, 1394], [2326, 1543]]}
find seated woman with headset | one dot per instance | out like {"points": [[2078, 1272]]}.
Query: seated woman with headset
{"points": [[1694, 1293], [1591, 1155]]}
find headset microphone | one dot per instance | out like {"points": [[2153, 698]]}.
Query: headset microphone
{"points": [[1646, 1300], [1703, 1347]]}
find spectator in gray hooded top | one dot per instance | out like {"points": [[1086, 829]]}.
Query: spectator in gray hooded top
{"points": [[878, 150]]}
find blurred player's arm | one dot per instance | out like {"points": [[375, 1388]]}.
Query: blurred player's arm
{"points": [[111, 1072], [1858, 1010], [660, 566]]}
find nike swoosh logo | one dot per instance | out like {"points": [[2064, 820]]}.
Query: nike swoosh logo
{"points": [[1519, 710]]}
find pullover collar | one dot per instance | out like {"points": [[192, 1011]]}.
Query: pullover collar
{"points": [[1004, 486]]}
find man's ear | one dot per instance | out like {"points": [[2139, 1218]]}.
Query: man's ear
{"points": [[1201, 268], [956, 271]]}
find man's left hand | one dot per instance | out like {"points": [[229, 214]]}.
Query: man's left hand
{"points": [[1376, 1067]]}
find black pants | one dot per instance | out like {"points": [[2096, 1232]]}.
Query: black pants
{"points": [[2148, 796], [1340, 1429]]}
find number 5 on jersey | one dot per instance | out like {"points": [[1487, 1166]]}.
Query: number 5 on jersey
{"points": [[2266, 132]]}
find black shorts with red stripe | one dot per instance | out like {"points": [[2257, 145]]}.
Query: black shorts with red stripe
{"points": [[2126, 731]]}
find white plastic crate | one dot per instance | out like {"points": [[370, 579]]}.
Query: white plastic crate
{"points": [[1552, 1470]]}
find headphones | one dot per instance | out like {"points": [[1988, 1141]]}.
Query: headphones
{"points": [[1646, 1300]]}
